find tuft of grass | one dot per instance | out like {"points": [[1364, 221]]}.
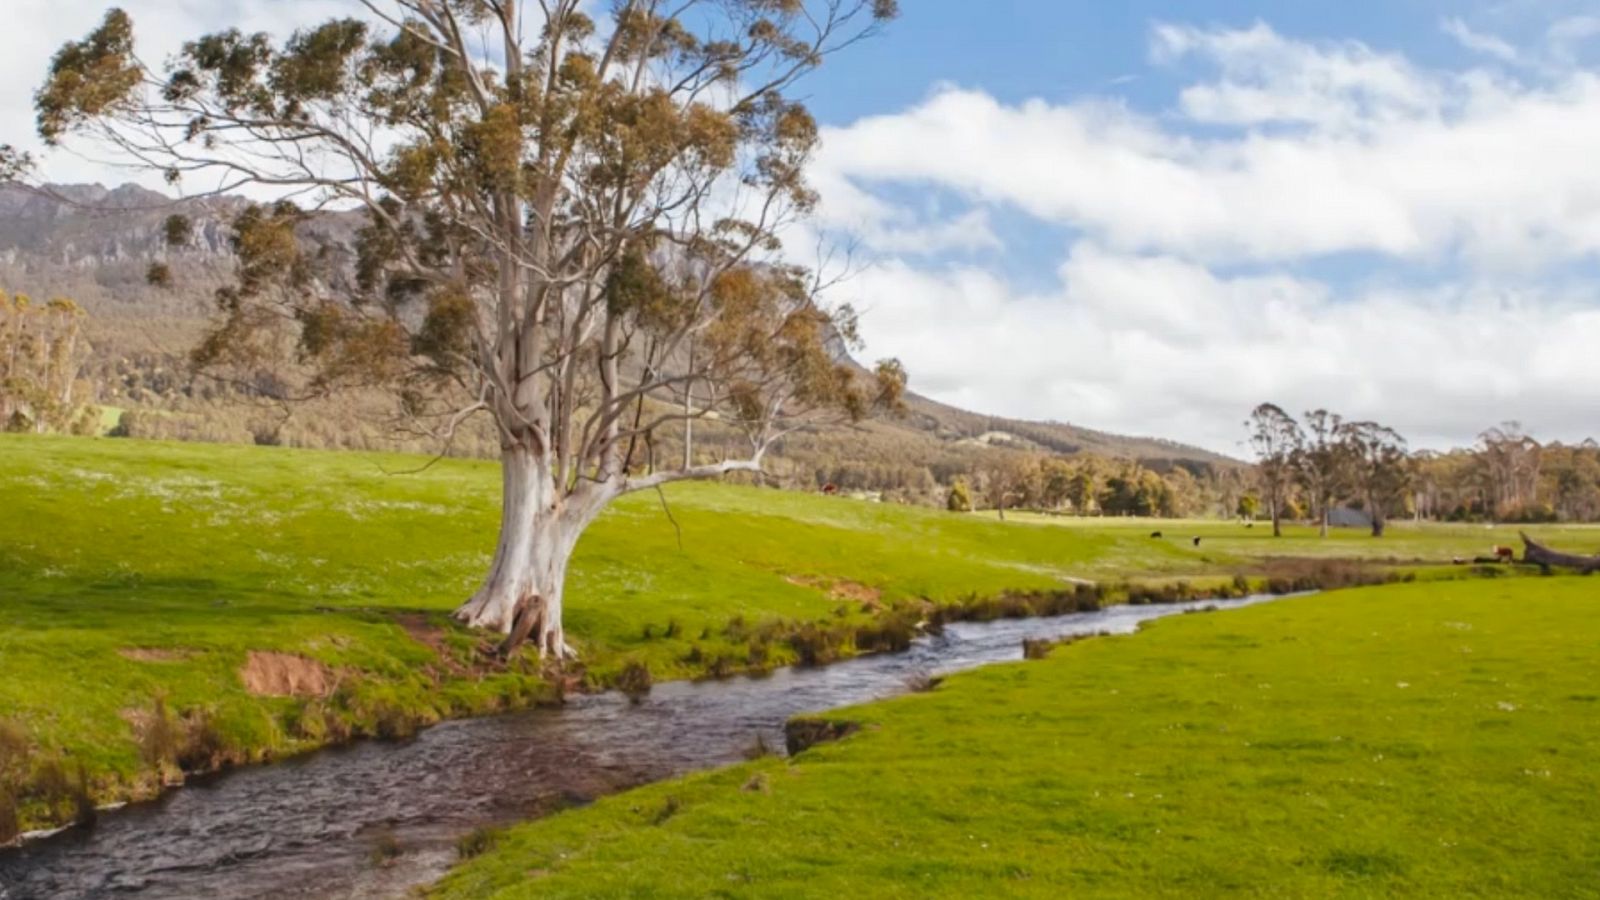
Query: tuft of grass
{"points": [[668, 808], [477, 842], [385, 847], [634, 681], [1040, 648]]}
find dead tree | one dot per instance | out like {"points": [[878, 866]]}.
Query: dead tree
{"points": [[1542, 556]]}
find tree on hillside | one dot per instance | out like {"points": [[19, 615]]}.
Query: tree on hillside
{"points": [[1007, 480], [1081, 489], [1247, 507], [552, 210], [1055, 482], [1274, 436], [41, 353], [960, 497], [1381, 469], [1509, 461], [1136, 491], [1323, 464]]}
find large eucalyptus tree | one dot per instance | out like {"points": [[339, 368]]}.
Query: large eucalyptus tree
{"points": [[568, 223]]}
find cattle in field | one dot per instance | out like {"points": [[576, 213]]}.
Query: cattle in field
{"points": [[1155, 534], [1504, 553], [830, 489], [1197, 542]]}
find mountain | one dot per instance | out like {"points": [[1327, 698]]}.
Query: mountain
{"points": [[95, 245]]}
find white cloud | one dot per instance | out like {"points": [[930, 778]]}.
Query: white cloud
{"points": [[1468, 193], [1479, 42], [1155, 345], [1267, 78], [1472, 167], [1566, 35]]}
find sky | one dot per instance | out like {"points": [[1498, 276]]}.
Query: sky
{"points": [[1147, 217]]}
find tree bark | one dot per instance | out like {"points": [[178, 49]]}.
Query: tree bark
{"points": [[521, 596], [1540, 555], [1277, 518]]}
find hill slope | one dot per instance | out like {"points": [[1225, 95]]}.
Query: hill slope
{"points": [[95, 244]]}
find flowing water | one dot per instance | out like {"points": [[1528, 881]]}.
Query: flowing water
{"points": [[316, 826]]}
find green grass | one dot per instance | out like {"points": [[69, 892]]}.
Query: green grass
{"points": [[1416, 740], [1405, 541], [139, 575], [205, 553]]}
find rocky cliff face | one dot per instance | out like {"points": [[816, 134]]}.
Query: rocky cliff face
{"points": [[95, 244]]}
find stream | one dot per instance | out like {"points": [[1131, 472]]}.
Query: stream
{"points": [[312, 826]]}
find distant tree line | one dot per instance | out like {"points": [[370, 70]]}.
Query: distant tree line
{"points": [[1309, 468]]}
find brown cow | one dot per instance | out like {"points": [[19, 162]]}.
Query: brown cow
{"points": [[1504, 553]]}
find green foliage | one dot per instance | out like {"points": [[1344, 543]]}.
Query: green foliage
{"points": [[159, 275], [89, 78], [177, 230], [1200, 757], [959, 498]]}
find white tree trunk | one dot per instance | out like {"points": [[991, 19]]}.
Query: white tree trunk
{"points": [[538, 532]]}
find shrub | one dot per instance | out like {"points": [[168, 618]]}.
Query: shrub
{"points": [[960, 497], [477, 842], [757, 655], [813, 644], [1037, 648], [635, 681]]}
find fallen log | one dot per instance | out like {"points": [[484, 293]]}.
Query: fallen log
{"points": [[1540, 555]]}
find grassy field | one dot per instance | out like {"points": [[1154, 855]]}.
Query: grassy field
{"points": [[1411, 740], [1404, 540], [137, 579]]}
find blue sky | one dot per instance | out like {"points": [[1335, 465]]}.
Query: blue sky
{"points": [[1060, 49], [1149, 216]]}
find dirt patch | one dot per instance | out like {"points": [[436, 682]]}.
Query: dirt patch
{"points": [[860, 593], [451, 663], [155, 654], [870, 598], [286, 675]]}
